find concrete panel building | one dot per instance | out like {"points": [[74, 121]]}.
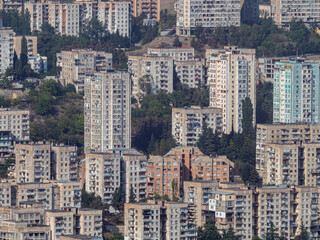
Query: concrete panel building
{"points": [[78, 64], [187, 123], [231, 79], [6, 47], [191, 73], [177, 53], [107, 111], [16, 121], [32, 47]]}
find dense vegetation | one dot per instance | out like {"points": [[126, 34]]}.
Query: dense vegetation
{"points": [[264, 36]]}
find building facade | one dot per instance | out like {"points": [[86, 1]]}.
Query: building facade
{"points": [[188, 123], [107, 111], [6, 47], [231, 79], [295, 92]]}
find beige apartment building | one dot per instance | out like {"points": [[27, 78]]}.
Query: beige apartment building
{"points": [[115, 15], [64, 162], [187, 123], [11, 5], [192, 14], [197, 195], [102, 174], [107, 111], [78, 64], [191, 73], [231, 79], [7, 194], [68, 194], [32, 162], [90, 222], [13, 230], [6, 47], [158, 220], [283, 12], [116, 168], [60, 222], [76, 237], [32, 46], [179, 54], [233, 209], [284, 136], [150, 74], [16, 121]]}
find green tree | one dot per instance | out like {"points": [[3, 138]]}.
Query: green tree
{"points": [[51, 86], [247, 118], [117, 198], [209, 232], [304, 235], [44, 105], [146, 82], [229, 235], [70, 88], [256, 238], [175, 189], [271, 234], [132, 196], [208, 142], [89, 200]]}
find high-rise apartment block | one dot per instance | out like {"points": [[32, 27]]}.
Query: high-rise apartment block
{"points": [[115, 15], [231, 79], [36, 162], [207, 14], [116, 168], [177, 53], [153, 72], [32, 42], [296, 92], [11, 5], [288, 153], [6, 47], [107, 111], [187, 123], [283, 12], [79, 64], [158, 220]]}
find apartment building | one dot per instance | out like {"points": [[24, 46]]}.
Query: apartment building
{"points": [[90, 222], [192, 14], [68, 194], [283, 136], [116, 168], [64, 162], [218, 168], [157, 220], [115, 15], [233, 209], [13, 230], [191, 73], [283, 12], [295, 94], [249, 11], [178, 54], [188, 123], [102, 174], [231, 79], [150, 74], [76, 237], [164, 176], [43, 193], [32, 42], [133, 173], [149, 8], [32, 162], [107, 111], [197, 195], [60, 222], [6, 47], [16, 121], [7, 194], [11, 5], [38, 63], [78, 64]]}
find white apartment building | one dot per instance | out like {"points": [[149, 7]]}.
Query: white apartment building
{"points": [[102, 174], [231, 79], [115, 16], [6, 47], [107, 111], [157, 71], [283, 12], [207, 14], [16, 121], [177, 53], [116, 168], [187, 123], [191, 73], [78, 64]]}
